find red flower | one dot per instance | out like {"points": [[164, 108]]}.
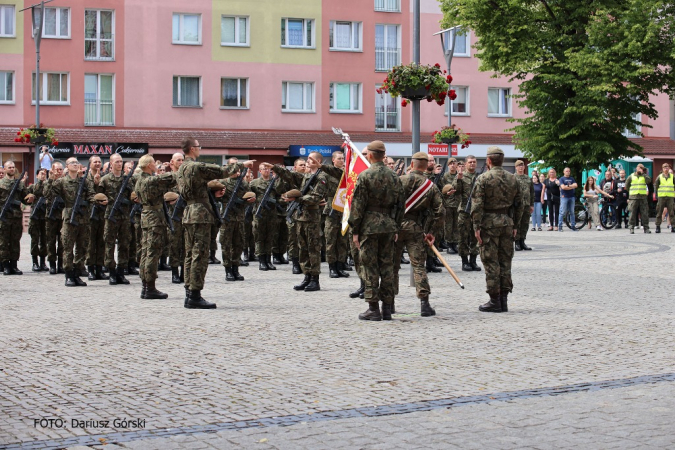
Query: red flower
{"points": [[445, 71], [17, 140], [453, 96], [449, 79], [438, 66], [427, 87], [55, 142], [18, 133], [27, 136], [429, 99], [404, 103], [379, 91]]}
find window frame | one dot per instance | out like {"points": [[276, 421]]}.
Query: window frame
{"points": [[448, 44], [629, 134], [510, 100], [397, 10], [181, 28], [359, 36], [304, 90], [398, 46], [304, 33], [43, 88], [201, 87], [332, 93], [98, 39], [397, 104], [58, 21], [248, 98], [236, 31], [4, 88], [468, 107], [3, 11], [98, 100]]}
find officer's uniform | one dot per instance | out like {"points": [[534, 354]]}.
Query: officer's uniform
{"points": [[663, 186]]}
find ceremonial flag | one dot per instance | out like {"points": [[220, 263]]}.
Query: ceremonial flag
{"points": [[355, 163]]}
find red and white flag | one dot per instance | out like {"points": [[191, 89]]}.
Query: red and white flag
{"points": [[355, 163]]}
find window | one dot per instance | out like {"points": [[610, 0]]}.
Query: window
{"points": [[98, 35], [345, 98], [234, 93], [387, 47], [6, 87], [187, 29], [499, 102], [56, 23], [99, 108], [388, 5], [54, 89], [387, 112], [234, 30], [462, 45], [297, 33], [634, 134], [297, 97], [460, 105], [187, 91], [7, 21], [345, 36]]}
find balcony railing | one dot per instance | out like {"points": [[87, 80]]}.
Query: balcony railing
{"points": [[386, 58], [99, 112], [387, 121], [388, 5]]}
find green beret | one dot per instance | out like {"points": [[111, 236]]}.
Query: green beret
{"points": [[494, 150], [520, 163], [452, 160], [421, 155], [376, 146]]}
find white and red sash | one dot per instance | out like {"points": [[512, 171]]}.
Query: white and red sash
{"points": [[418, 194]]}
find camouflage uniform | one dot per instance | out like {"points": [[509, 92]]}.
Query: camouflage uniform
{"points": [[232, 230], [150, 190], [337, 246], [280, 236], [264, 227], [118, 231], [135, 243], [36, 225], [468, 245], [198, 217], [96, 244], [12, 228], [376, 215], [177, 252], [52, 229], [527, 192], [451, 202]]}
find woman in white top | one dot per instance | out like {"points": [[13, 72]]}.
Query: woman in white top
{"points": [[591, 192]]}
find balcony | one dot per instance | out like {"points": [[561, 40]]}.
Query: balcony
{"points": [[388, 5], [386, 58], [98, 112]]}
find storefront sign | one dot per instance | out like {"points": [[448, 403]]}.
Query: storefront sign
{"points": [[126, 150], [305, 150], [442, 150]]}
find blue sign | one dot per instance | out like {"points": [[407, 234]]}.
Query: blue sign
{"points": [[305, 150]]}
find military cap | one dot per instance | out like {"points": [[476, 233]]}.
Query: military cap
{"points": [[452, 160], [248, 195], [170, 197], [29, 198], [494, 150], [216, 185], [376, 146], [520, 162], [134, 196], [100, 197], [421, 155], [293, 193], [446, 188]]}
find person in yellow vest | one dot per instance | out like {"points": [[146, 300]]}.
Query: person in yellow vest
{"points": [[665, 191], [636, 185]]}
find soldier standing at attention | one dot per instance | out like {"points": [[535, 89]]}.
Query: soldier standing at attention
{"points": [[96, 244], [12, 227], [468, 246], [337, 245], [36, 224], [422, 219], [198, 217], [496, 192], [280, 232], [53, 225], [527, 189], [375, 218], [300, 167], [136, 231], [451, 202], [177, 252], [263, 227]]}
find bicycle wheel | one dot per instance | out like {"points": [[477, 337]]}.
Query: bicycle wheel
{"points": [[581, 216], [608, 217]]}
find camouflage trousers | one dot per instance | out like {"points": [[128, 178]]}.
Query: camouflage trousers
{"points": [[151, 250], [280, 235], [10, 239], [377, 266], [668, 203], [638, 206], [231, 242], [213, 245], [38, 237], [293, 240], [411, 236], [197, 245], [166, 243], [496, 254], [249, 237], [263, 232], [177, 251], [451, 231], [138, 232], [75, 242], [53, 230], [468, 245], [96, 247], [337, 245], [309, 247], [524, 222], [356, 254], [120, 233]]}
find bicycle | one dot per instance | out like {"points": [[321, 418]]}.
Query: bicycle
{"points": [[580, 213], [608, 215]]}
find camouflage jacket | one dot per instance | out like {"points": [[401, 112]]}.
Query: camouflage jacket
{"points": [[193, 177], [259, 186], [496, 193], [377, 202], [21, 192], [110, 186], [174, 189], [134, 179], [526, 189], [237, 213], [428, 212], [282, 187], [463, 188], [49, 196], [37, 189], [150, 190], [334, 175], [311, 212], [449, 201], [98, 214], [66, 188]]}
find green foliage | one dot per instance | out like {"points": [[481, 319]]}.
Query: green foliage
{"points": [[413, 77], [586, 69], [452, 135]]}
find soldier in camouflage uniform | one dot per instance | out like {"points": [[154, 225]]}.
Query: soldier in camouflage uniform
{"points": [[375, 217], [150, 190], [198, 217], [496, 200], [12, 227], [300, 166], [451, 202], [177, 251], [280, 232], [53, 225], [337, 245], [356, 256], [73, 235], [422, 221], [527, 190], [135, 228], [468, 245], [265, 225], [249, 238], [96, 245], [36, 224]]}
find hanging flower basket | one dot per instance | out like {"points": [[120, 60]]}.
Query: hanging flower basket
{"points": [[36, 135], [417, 82], [451, 135]]}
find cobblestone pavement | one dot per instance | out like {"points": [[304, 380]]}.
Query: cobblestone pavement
{"points": [[587, 307]]}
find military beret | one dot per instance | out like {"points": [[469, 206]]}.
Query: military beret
{"points": [[100, 197], [520, 163], [248, 195], [134, 196], [376, 146], [452, 160], [494, 150], [421, 155], [293, 193], [170, 197], [29, 197], [446, 188], [215, 185]]}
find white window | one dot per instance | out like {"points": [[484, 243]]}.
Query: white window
{"points": [[345, 36], [234, 93], [634, 134], [387, 112], [98, 34], [297, 97], [499, 102], [99, 100], [7, 21], [297, 33], [54, 88], [234, 31], [345, 98], [6, 87], [387, 47], [462, 44], [460, 105], [388, 5], [56, 23], [187, 29], [187, 91]]}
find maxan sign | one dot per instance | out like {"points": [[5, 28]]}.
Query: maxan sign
{"points": [[69, 149], [442, 150]]}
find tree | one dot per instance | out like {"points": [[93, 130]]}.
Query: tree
{"points": [[586, 67]]}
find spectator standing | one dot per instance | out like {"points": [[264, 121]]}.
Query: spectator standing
{"points": [[663, 186], [621, 200], [536, 214], [543, 200], [46, 158], [591, 192], [636, 185], [567, 186], [552, 193]]}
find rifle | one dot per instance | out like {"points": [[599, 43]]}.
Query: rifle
{"points": [[134, 210], [93, 216], [473, 185], [57, 205], [120, 200], [11, 201], [265, 199], [178, 209], [439, 176], [165, 210], [214, 208], [80, 203], [234, 198], [398, 168], [295, 205], [39, 209]]}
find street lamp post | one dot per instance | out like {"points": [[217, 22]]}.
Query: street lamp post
{"points": [[448, 53]]}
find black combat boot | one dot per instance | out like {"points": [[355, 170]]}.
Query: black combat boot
{"points": [[438, 263], [237, 275], [59, 265], [187, 297], [504, 298], [332, 271], [163, 266], [472, 262], [494, 305], [313, 284], [270, 266], [112, 280], [175, 278], [523, 246], [341, 273], [182, 275], [279, 259], [52, 267], [387, 310], [131, 269], [452, 249], [251, 255], [212, 257], [151, 292], [99, 273], [229, 276], [373, 312], [120, 277], [431, 267], [92, 273], [83, 272], [7, 268], [296, 266], [393, 306], [303, 285], [426, 309], [196, 301], [76, 278], [262, 263], [359, 291], [518, 247], [323, 255], [144, 289], [345, 267], [70, 280], [658, 229], [43, 267], [466, 267], [404, 260], [16, 271], [36, 265]]}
